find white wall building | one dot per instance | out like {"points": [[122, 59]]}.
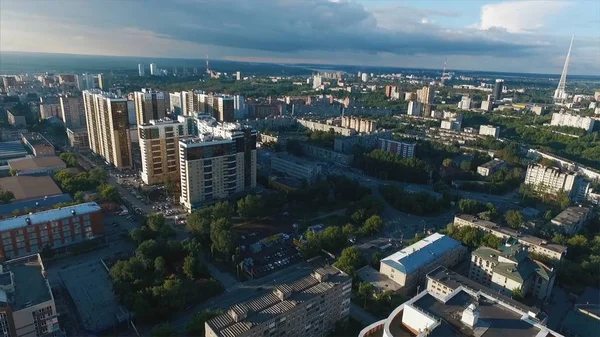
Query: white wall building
{"points": [[565, 119], [154, 69], [489, 130], [414, 108], [141, 69]]}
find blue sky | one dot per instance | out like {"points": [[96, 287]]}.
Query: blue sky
{"points": [[522, 36]]}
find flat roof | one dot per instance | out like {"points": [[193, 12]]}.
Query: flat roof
{"points": [[294, 159], [266, 307], [35, 162], [493, 164], [381, 282], [571, 216], [34, 204], [36, 138], [90, 287], [49, 215], [31, 287], [28, 187], [12, 149], [421, 253]]}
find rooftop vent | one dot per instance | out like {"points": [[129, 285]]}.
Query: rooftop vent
{"points": [[470, 315], [28, 220], [73, 212], [238, 312]]}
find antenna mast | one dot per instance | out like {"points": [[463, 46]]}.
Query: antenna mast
{"points": [[560, 93], [443, 73]]}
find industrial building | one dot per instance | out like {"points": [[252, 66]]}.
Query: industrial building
{"points": [[533, 243], [409, 266], [37, 165], [295, 167], [308, 306], [29, 187], [56, 228], [508, 268]]}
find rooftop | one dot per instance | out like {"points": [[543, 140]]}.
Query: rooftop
{"points": [[35, 162], [493, 164], [421, 253], [30, 285], [28, 187], [266, 307], [12, 149], [49, 215], [35, 138], [571, 216], [34, 204], [294, 159]]}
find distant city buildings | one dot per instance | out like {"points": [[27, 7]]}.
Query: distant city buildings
{"points": [[366, 142], [364, 77], [108, 127], [360, 125], [414, 108], [465, 103], [154, 71], [565, 119], [317, 81], [498, 88], [141, 70]]}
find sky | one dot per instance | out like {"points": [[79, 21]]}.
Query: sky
{"points": [[513, 36]]}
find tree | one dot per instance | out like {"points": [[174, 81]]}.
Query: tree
{"points": [[365, 291], [13, 171], [79, 196], [6, 196], [350, 261], [375, 259], [348, 229], [160, 265], [223, 240], [109, 193], [191, 267], [222, 210], [163, 330], [69, 159], [465, 165], [490, 240], [196, 326], [447, 162], [155, 222], [372, 225], [514, 219], [198, 223], [169, 186], [250, 206], [98, 175], [469, 206], [517, 294]]}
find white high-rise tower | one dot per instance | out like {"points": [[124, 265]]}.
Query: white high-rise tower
{"points": [[560, 94]]}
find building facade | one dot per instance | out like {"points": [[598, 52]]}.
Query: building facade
{"points": [[491, 167], [572, 219], [295, 167], [159, 142], [327, 155], [72, 111], [29, 234], [489, 130], [78, 138], [309, 306], [509, 268], [150, 105], [409, 266], [108, 127], [498, 88], [360, 125], [219, 164], [401, 149], [575, 121], [15, 119], [550, 180]]}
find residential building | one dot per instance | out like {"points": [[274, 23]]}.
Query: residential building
{"points": [[141, 69], [317, 81], [257, 111], [108, 127], [9, 81], [159, 141], [36, 165], [154, 69], [491, 167], [238, 76], [414, 108], [319, 126], [360, 125], [28, 187], [489, 130], [102, 82], [219, 164], [487, 105], [454, 306], [37, 144], [409, 266], [551, 180], [498, 88], [150, 105], [572, 219], [566, 119], [72, 111], [365, 141], [451, 124], [175, 103], [533, 243], [33, 205], [223, 108], [49, 107], [465, 103], [583, 319], [538, 109], [131, 113], [326, 155], [15, 118], [55, 228], [295, 167], [402, 149], [78, 138], [508, 268], [308, 306], [27, 307], [364, 77], [240, 110]]}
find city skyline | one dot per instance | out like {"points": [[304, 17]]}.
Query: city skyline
{"points": [[523, 36]]}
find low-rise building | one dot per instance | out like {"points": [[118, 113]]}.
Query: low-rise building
{"points": [[29, 187], [27, 306], [78, 138], [491, 167], [572, 219], [56, 228], [38, 144], [295, 167], [15, 119], [454, 306], [489, 130], [366, 142], [409, 266], [309, 306], [402, 149], [533, 243], [327, 155], [509, 268], [37, 165]]}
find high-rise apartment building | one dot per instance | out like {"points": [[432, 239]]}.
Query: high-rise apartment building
{"points": [[489, 130], [9, 81], [565, 119], [102, 82], [497, 91], [549, 180], [308, 306], [238, 75], [27, 306], [220, 163], [175, 103], [414, 108], [141, 70], [317, 81], [108, 127], [154, 69], [149, 105], [465, 103], [364, 77], [401, 149], [240, 110], [72, 111], [159, 145]]}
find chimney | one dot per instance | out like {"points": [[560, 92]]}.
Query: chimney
{"points": [[320, 275], [470, 315], [283, 292], [238, 312]]}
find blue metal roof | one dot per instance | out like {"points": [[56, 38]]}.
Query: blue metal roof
{"points": [[420, 253], [49, 215], [35, 204]]}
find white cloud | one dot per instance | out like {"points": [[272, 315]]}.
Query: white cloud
{"points": [[520, 16]]}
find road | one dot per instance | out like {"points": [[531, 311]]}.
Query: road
{"points": [[362, 315]]}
